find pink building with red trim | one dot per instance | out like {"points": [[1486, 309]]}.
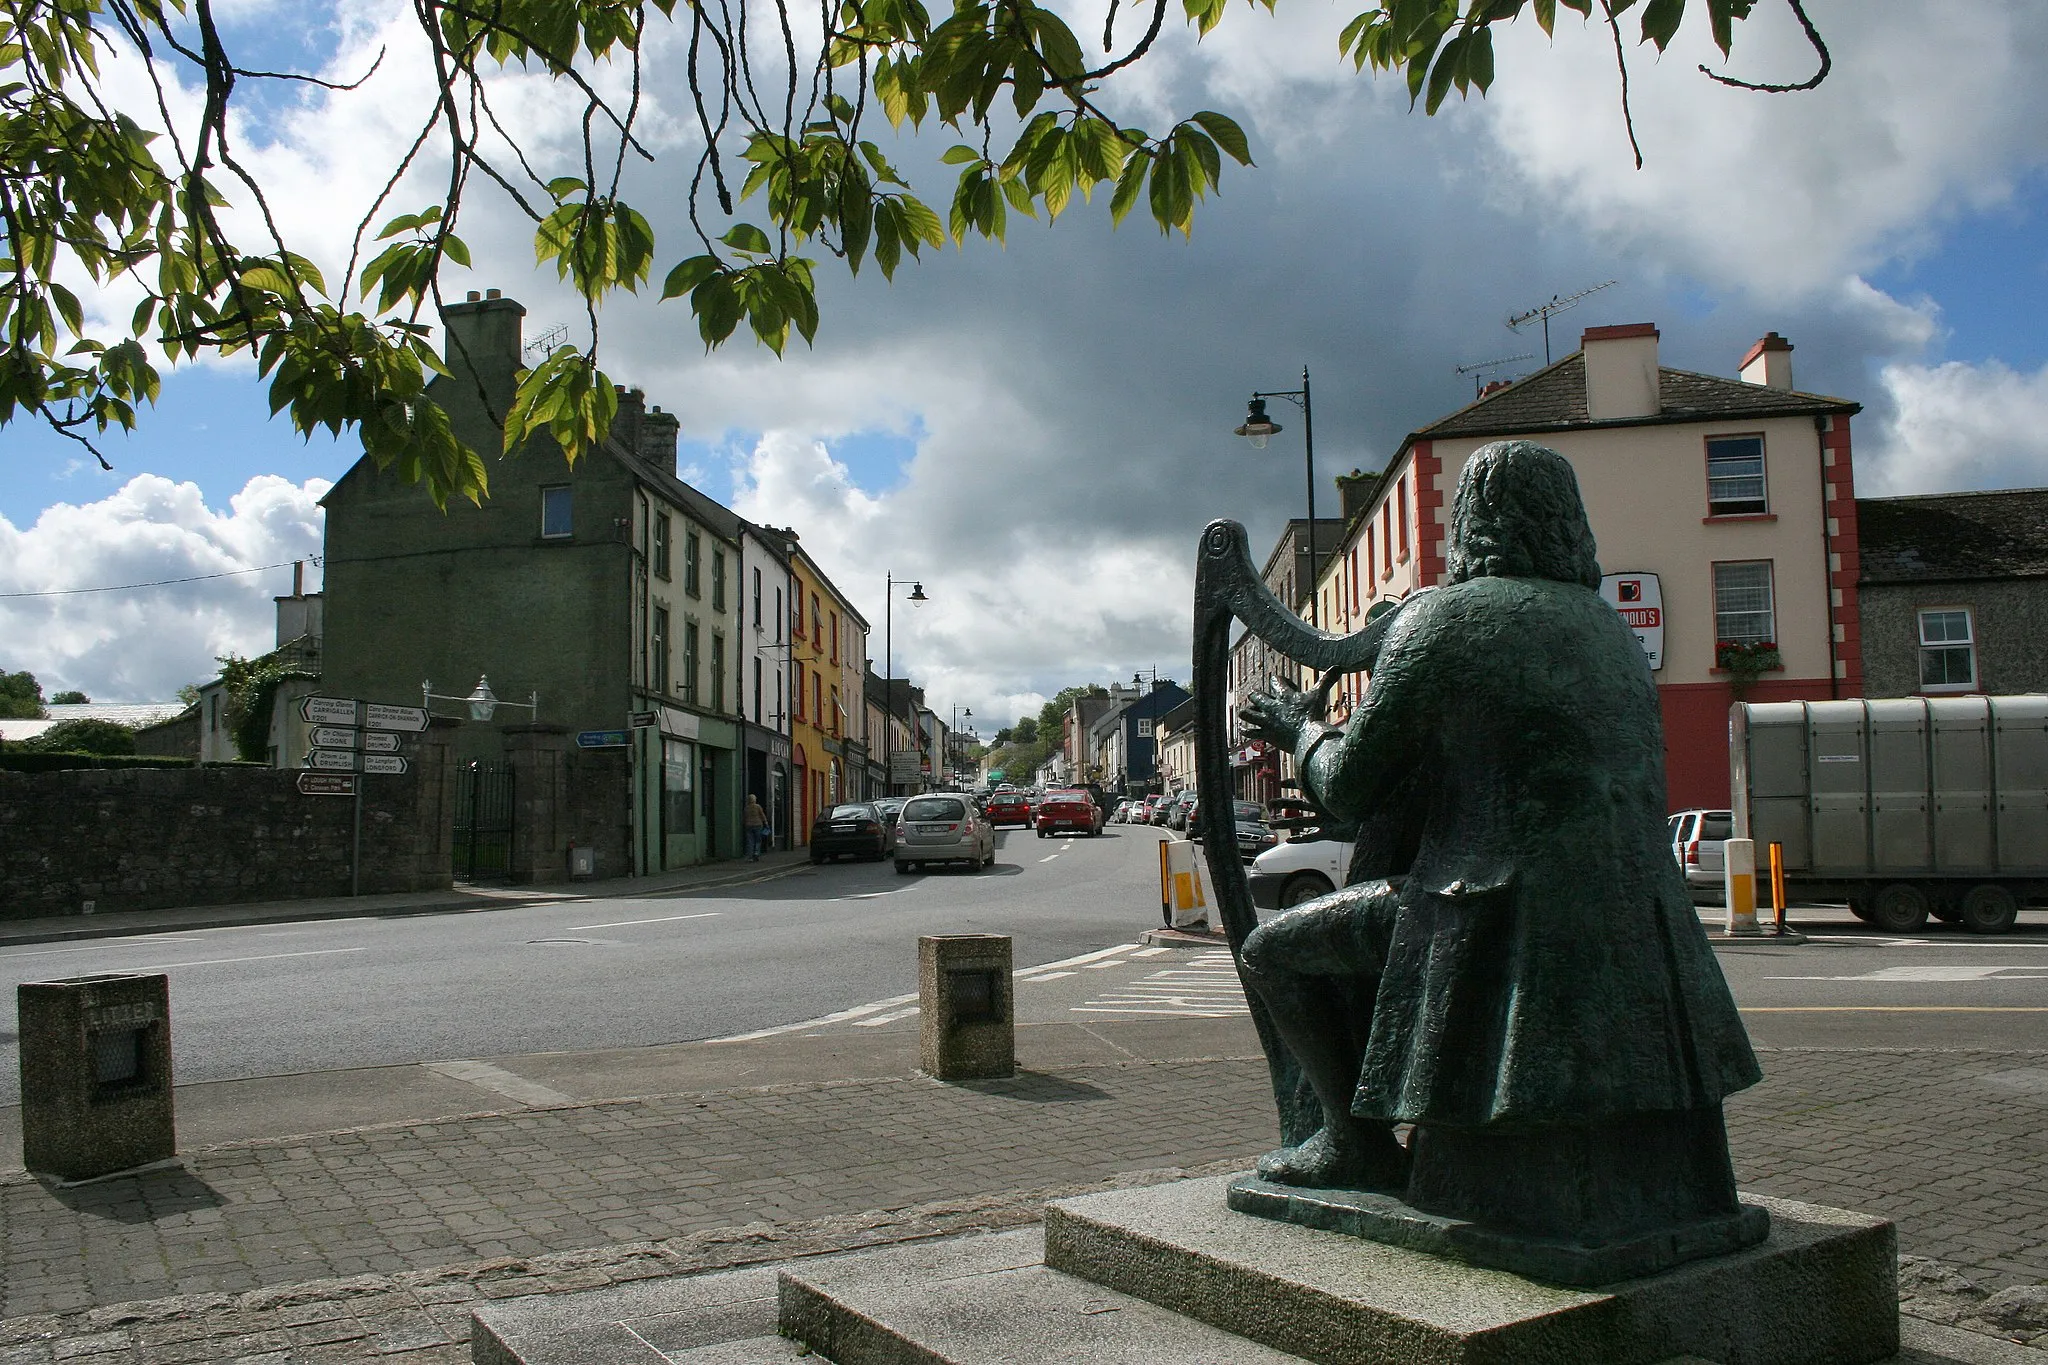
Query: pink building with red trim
{"points": [[1725, 511]]}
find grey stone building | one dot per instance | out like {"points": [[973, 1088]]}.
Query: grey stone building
{"points": [[1953, 593], [610, 588]]}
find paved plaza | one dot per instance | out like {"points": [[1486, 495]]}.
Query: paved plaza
{"points": [[371, 1244]]}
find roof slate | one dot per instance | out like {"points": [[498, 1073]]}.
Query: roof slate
{"points": [[1555, 398], [1945, 537]]}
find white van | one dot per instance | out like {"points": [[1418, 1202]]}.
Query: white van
{"points": [[1299, 870]]}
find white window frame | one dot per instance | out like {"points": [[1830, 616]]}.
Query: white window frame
{"points": [[1948, 643], [1770, 609], [1763, 477], [568, 509]]}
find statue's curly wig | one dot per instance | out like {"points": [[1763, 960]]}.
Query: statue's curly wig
{"points": [[1517, 514]]}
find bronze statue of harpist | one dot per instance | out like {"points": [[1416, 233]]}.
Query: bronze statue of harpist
{"points": [[1514, 968]]}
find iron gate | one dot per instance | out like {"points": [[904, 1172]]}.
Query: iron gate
{"points": [[483, 822]]}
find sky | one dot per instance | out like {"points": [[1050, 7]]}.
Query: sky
{"points": [[1039, 431]]}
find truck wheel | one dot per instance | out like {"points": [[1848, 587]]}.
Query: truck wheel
{"points": [[1860, 908], [1900, 908], [1988, 909], [1302, 887]]}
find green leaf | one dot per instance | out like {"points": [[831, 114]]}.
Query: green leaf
{"points": [[1129, 185], [746, 237], [959, 155], [1660, 21], [1228, 135], [688, 274]]}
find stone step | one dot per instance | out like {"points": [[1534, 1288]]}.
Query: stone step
{"points": [[751, 1351], [988, 1301], [645, 1322], [1821, 1287]]}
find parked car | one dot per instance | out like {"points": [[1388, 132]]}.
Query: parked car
{"points": [[891, 807], [1697, 838], [1008, 808], [1254, 835], [1178, 808], [854, 830], [1299, 870], [944, 829], [1071, 811], [1157, 809]]}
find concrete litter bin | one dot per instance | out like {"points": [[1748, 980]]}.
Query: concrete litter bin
{"points": [[95, 1074], [967, 1026]]}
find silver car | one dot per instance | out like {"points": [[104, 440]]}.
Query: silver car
{"points": [[1696, 842], [943, 828]]}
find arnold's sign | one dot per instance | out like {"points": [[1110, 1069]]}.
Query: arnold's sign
{"points": [[1640, 601]]}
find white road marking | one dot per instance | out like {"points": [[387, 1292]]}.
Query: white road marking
{"points": [[1868, 941], [876, 1021], [2034, 971], [1151, 952], [499, 1082], [100, 945], [857, 1012], [1204, 988], [659, 919], [1047, 976], [1048, 857], [1081, 959], [257, 957]]}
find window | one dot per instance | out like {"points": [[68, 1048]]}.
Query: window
{"points": [[778, 619], [1401, 510], [1371, 543], [1353, 566], [1735, 476], [817, 699], [718, 580], [662, 530], [554, 512], [757, 691], [693, 548], [796, 689], [835, 710], [658, 672], [796, 614], [757, 604], [1386, 538], [817, 624], [717, 671], [779, 716], [689, 684], [1742, 603], [835, 637], [1948, 650]]}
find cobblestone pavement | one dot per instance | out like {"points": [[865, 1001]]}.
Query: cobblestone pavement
{"points": [[369, 1244]]}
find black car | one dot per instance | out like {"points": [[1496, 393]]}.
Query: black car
{"points": [[851, 831]]}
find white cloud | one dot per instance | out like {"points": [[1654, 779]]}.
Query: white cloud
{"points": [[1956, 427], [143, 644], [1925, 116]]}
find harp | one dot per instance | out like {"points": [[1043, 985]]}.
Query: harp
{"points": [[1228, 589]]}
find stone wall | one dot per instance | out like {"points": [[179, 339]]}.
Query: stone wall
{"points": [[2010, 617], [146, 839]]}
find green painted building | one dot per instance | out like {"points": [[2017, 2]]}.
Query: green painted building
{"points": [[610, 589]]}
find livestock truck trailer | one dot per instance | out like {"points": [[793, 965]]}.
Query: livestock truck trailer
{"points": [[1905, 807]]}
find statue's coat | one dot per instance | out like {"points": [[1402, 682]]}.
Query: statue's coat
{"points": [[1546, 964]]}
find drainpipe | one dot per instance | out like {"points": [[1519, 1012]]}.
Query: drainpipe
{"points": [[1827, 561]]}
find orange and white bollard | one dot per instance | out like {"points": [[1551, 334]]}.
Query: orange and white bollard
{"points": [[1739, 880]]}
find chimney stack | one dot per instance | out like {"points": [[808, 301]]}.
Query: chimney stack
{"points": [[1768, 363], [1354, 492], [632, 411], [658, 431], [483, 337], [1621, 372]]}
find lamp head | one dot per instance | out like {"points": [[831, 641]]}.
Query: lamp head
{"points": [[917, 593], [1258, 428], [483, 701]]}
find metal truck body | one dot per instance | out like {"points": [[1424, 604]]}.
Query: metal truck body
{"points": [[1903, 807]]}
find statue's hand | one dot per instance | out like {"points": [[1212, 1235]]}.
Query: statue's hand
{"points": [[1277, 714]]}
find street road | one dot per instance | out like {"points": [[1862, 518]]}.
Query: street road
{"points": [[834, 949]]}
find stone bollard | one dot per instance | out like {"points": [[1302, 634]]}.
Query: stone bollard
{"points": [[967, 1027], [95, 1074], [1739, 879]]}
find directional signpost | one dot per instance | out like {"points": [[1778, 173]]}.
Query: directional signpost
{"points": [[354, 737]]}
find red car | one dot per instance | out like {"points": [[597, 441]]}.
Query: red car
{"points": [[1009, 808], [1074, 811]]}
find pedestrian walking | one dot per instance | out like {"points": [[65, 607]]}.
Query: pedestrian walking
{"points": [[757, 828]]}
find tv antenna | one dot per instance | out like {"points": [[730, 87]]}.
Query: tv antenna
{"points": [[1479, 368], [1556, 305], [546, 342]]}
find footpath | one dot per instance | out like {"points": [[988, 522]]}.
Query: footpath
{"points": [[287, 1238]]}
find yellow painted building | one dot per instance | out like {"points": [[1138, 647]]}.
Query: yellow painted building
{"points": [[828, 717]]}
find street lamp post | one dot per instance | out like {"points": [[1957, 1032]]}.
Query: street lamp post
{"points": [[952, 742], [1259, 428], [482, 702], [889, 585]]}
